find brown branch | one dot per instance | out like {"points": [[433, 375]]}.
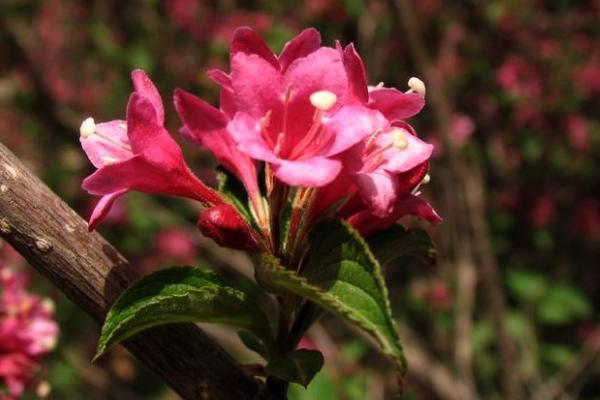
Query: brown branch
{"points": [[55, 241], [468, 181]]}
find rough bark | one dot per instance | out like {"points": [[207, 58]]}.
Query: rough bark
{"points": [[89, 271]]}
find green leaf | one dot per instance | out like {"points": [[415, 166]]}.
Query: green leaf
{"points": [[563, 304], [181, 294], [397, 241], [299, 366], [343, 277], [233, 189], [527, 286]]}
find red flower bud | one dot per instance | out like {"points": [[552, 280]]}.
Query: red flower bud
{"points": [[227, 227]]}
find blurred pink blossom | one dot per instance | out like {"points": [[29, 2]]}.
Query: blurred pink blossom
{"points": [[27, 330], [520, 78], [176, 244], [461, 129]]}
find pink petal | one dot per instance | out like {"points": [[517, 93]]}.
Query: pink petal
{"points": [[219, 77], [110, 143], [395, 104], [227, 98], [141, 174], [103, 207], [145, 88], [302, 45], [321, 70], [415, 205], [316, 171], [357, 77], [402, 160], [149, 138], [258, 89], [410, 179], [246, 132], [379, 191], [198, 115], [349, 125], [245, 40], [367, 223], [206, 125]]}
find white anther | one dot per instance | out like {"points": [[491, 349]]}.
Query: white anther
{"points": [[323, 100], [88, 127], [426, 179], [417, 85], [399, 138]]}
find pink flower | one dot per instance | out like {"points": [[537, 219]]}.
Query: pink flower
{"points": [[391, 148], [27, 331], [289, 110], [138, 154], [520, 78], [304, 122]]}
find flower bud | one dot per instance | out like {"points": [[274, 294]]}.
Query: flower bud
{"points": [[227, 227]]}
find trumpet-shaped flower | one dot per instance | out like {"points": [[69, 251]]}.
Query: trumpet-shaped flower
{"points": [[138, 154]]}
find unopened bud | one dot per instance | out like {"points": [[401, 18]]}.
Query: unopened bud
{"points": [[323, 100], [417, 85], [227, 227], [88, 127]]}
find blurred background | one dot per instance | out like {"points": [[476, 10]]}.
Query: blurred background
{"points": [[509, 311]]}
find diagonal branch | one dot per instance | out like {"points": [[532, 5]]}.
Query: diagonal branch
{"points": [[55, 241]]}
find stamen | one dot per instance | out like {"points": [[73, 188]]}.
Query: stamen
{"points": [[426, 179], [323, 100], [371, 140], [399, 138], [88, 127], [417, 85], [374, 159]]}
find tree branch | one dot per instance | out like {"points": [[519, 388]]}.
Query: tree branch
{"points": [[86, 268]]}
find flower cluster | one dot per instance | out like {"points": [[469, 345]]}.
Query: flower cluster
{"points": [[301, 130], [27, 332]]}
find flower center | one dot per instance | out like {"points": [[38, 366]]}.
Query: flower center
{"points": [[313, 141], [374, 157]]}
